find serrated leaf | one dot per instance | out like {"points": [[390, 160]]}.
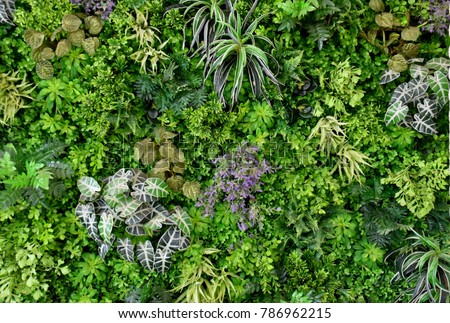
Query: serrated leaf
{"points": [[423, 124], [179, 168], [116, 186], [156, 187], [183, 220], [143, 212], [439, 64], [418, 71], [402, 94], [170, 152], [439, 84], [191, 190], [376, 5], [34, 38], [94, 24], [429, 108], [105, 227], [388, 76], [395, 113], [76, 38], [162, 134], [136, 230], [63, 48], [146, 151], [89, 45], [71, 23], [88, 186], [410, 50], [163, 260], [125, 248], [146, 254]]}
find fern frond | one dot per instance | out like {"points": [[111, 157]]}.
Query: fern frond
{"points": [[10, 197], [60, 170], [34, 195], [145, 87], [57, 189], [48, 152], [199, 98], [326, 8], [319, 32]]}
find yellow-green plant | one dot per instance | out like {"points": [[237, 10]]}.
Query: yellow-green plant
{"points": [[13, 91], [331, 135]]}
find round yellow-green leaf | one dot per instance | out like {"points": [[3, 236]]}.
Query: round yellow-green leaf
{"points": [[34, 38], [76, 38], [93, 24], [376, 5], [410, 33], [47, 54], [385, 20], [89, 45], [191, 190], [71, 23], [44, 70], [398, 63], [63, 48], [175, 183], [410, 50]]}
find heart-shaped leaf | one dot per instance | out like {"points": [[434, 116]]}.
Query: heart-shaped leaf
{"points": [[156, 187], [88, 186], [395, 113], [126, 249], [146, 254]]}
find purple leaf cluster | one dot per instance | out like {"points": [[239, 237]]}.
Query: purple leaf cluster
{"points": [[236, 180], [100, 7], [439, 18]]}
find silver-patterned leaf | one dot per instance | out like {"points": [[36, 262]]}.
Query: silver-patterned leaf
{"points": [[439, 84], [116, 186], [402, 94], [416, 60], [141, 213], [136, 230], [417, 87], [439, 64], [163, 260], [140, 194], [418, 71], [423, 124], [102, 207], [138, 177], [88, 186], [183, 220], [429, 108], [172, 239], [156, 223], [116, 201], [388, 76], [7, 8], [84, 210], [83, 198], [103, 249], [90, 223], [105, 227], [123, 173], [146, 254], [128, 209], [125, 248], [395, 113], [156, 187]]}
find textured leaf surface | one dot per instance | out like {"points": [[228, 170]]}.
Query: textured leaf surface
{"points": [[163, 260], [417, 87], [183, 220], [136, 230], [440, 64], [146, 254], [105, 227], [125, 248], [191, 190], [88, 186], [84, 210], [173, 239], [402, 94], [143, 212], [388, 76], [117, 186], [418, 71], [156, 187], [439, 84], [33, 38], [429, 108], [44, 69], [423, 124], [395, 113]]}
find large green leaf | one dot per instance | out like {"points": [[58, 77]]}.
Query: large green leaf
{"points": [[84, 210], [173, 239], [129, 208], [146, 254], [402, 94], [440, 64], [439, 84], [395, 113], [126, 249], [183, 220], [156, 187], [105, 227], [418, 71], [143, 212], [116, 186], [88, 186], [428, 108]]}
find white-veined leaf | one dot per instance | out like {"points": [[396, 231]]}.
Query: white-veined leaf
{"points": [[136, 230], [140, 194], [116, 186], [395, 113], [84, 198], [163, 260], [388, 76], [88, 186], [146, 254], [84, 210], [439, 64], [143, 212], [138, 177], [129, 208], [156, 187], [402, 94], [428, 109], [417, 87], [90, 223], [416, 60], [418, 71], [105, 227], [439, 84], [123, 173], [156, 223], [125, 248], [423, 124], [183, 220], [103, 249], [173, 239], [116, 200], [102, 207]]}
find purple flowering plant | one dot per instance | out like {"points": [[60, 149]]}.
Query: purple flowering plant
{"points": [[100, 7], [439, 17], [236, 180]]}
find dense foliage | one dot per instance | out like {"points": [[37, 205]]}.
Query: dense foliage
{"points": [[240, 150]]}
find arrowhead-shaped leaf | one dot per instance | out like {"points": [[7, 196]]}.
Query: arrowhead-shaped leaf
{"points": [[163, 260], [439, 84], [388, 76], [423, 124], [418, 71], [146, 254], [439, 64], [136, 230], [105, 227], [401, 94], [183, 220], [428, 109], [395, 113], [116, 186], [156, 187], [88, 186], [126, 249]]}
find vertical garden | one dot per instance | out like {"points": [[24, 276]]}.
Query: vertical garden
{"points": [[224, 151]]}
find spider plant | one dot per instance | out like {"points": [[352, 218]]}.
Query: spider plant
{"points": [[235, 49], [426, 262]]}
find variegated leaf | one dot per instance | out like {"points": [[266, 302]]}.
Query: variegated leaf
{"points": [[90, 223], [88, 186], [156, 187], [162, 166], [116, 186], [183, 220], [84, 210], [388, 76], [418, 71], [102, 207], [105, 227], [116, 200], [138, 177], [163, 260], [439, 84], [439, 64], [395, 113], [129, 208], [417, 87], [191, 190], [429, 108], [172, 239], [423, 124], [401, 94], [143, 212], [103, 249], [125, 248], [123, 173], [146, 254], [416, 60], [84, 198], [156, 223], [141, 195], [136, 230]]}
